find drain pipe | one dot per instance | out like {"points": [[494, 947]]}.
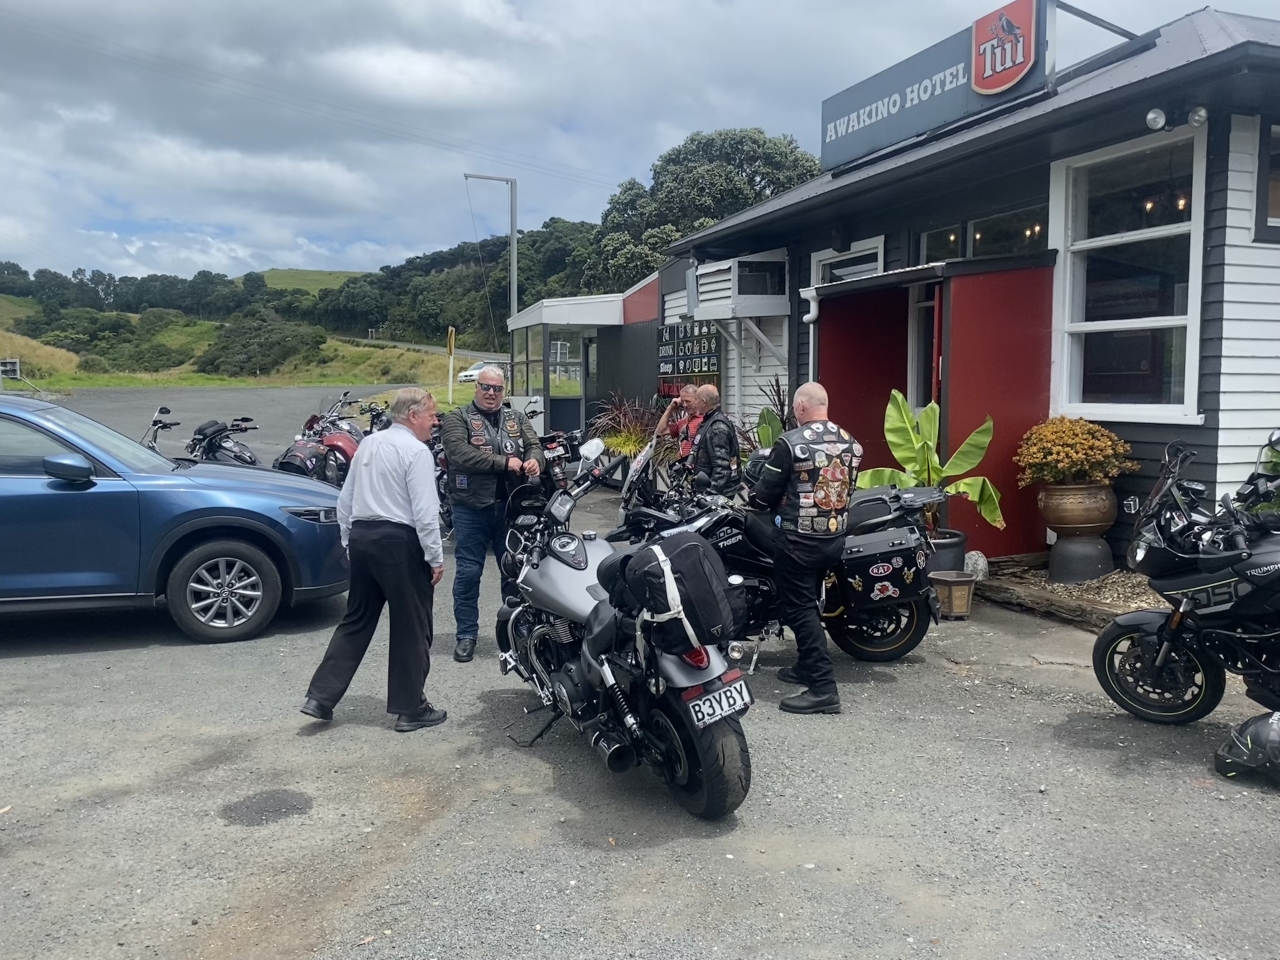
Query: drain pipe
{"points": [[811, 294]]}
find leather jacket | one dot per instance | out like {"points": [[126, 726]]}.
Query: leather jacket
{"points": [[477, 452], [715, 453], [808, 478]]}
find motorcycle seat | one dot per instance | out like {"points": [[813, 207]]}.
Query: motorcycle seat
{"points": [[210, 427], [760, 533]]}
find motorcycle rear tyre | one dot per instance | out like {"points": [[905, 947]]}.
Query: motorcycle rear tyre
{"points": [[1211, 693], [913, 619], [718, 777]]}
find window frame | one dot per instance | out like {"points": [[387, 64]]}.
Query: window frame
{"points": [[1067, 352], [820, 258], [1266, 229]]}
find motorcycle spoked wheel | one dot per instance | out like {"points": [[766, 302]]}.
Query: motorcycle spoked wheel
{"points": [[708, 771], [1189, 687], [878, 635], [334, 471]]}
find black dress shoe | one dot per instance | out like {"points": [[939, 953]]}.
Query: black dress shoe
{"points": [[428, 716], [314, 708], [810, 702], [465, 650], [792, 675]]}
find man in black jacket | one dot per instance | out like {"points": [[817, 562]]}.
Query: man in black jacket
{"points": [[715, 448], [806, 482], [491, 450]]}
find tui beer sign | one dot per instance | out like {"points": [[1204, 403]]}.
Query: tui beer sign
{"points": [[1002, 57]]}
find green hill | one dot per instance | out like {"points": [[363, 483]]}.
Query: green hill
{"points": [[312, 281], [13, 307]]}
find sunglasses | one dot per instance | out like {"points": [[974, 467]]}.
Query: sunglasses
{"points": [[491, 387]]}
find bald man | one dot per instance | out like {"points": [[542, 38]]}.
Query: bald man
{"points": [[715, 448], [806, 484]]}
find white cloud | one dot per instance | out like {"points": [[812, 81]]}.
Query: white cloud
{"points": [[421, 77]]}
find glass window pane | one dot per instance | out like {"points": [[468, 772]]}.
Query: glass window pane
{"points": [[762, 278], [1147, 279], [520, 344], [1137, 191], [566, 379], [1023, 231], [535, 379], [520, 380], [1134, 366], [23, 449], [1273, 194], [535, 343], [566, 344], [941, 244], [848, 268]]}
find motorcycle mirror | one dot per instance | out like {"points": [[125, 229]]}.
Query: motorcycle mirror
{"points": [[244, 419], [592, 449], [1273, 441], [165, 411]]}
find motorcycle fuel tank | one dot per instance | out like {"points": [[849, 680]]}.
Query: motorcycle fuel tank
{"points": [[562, 589]]}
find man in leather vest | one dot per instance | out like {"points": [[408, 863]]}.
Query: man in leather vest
{"points": [[489, 447], [715, 448], [806, 482]]}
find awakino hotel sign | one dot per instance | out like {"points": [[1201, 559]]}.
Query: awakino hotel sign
{"points": [[1002, 57]]}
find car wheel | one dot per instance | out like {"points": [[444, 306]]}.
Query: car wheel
{"points": [[222, 591]]}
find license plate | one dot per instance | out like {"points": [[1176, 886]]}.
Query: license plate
{"points": [[710, 707]]}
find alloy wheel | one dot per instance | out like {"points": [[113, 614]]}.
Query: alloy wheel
{"points": [[224, 592]]}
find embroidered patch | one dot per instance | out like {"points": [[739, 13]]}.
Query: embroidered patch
{"points": [[880, 570], [844, 434], [856, 583], [897, 561], [460, 481], [808, 512], [920, 559], [806, 499], [833, 524], [806, 524], [882, 590], [857, 450], [908, 575], [477, 441]]}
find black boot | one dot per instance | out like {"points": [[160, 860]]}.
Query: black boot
{"points": [[428, 716], [793, 675], [810, 702], [314, 708]]}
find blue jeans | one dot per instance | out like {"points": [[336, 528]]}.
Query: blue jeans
{"points": [[475, 533]]}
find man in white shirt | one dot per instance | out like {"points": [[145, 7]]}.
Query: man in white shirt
{"points": [[390, 518]]}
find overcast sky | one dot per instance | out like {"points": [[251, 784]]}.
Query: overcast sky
{"points": [[142, 136]]}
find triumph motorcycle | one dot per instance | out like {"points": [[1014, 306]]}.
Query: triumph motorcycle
{"points": [[588, 662], [213, 441], [1220, 573], [877, 606]]}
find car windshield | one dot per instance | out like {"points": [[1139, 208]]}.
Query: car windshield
{"points": [[129, 452]]}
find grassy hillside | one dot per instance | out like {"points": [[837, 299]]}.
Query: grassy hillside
{"points": [[198, 336], [13, 307], [37, 359], [312, 281]]}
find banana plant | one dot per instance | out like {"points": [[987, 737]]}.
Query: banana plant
{"points": [[914, 444], [768, 428]]}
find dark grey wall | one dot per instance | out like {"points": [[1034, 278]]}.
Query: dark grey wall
{"points": [[628, 361]]}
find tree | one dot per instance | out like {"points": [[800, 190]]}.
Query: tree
{"points": [[14, 280], [254, 285], [706, 178]]}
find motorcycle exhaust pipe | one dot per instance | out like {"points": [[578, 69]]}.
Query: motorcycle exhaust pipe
{"points": [[618, 755]]}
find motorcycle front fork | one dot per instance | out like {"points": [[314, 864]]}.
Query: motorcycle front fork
{"points": [[1171, 630]]}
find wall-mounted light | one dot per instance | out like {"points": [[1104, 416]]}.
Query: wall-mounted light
{"points": [[1198, 116], [1156, 119]]}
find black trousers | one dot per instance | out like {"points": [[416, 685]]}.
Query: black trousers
{"points": [[799, 564], [387, 568]]}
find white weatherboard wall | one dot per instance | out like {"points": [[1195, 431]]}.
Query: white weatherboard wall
{"points": [[1251, 319], [744, 400], [674, 306]]}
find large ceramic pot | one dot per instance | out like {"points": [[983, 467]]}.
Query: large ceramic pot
{"points": [[1078, 510], [948, 546]]}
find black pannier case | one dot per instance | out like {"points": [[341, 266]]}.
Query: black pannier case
{"points": [[885, 566], [708, 610]]}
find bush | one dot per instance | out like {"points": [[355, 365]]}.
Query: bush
{"points": [[1070, 450], [92, 363], [259, 343]]}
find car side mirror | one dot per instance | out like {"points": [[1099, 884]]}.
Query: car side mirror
{"points": [[71, 467]]}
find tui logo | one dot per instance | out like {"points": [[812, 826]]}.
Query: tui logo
{"points": [[1004, 47]]}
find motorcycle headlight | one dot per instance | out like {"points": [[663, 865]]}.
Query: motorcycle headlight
{"points": [[314, 514]]}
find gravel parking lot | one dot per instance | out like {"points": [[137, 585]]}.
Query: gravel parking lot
{"points": [[978, 799]]}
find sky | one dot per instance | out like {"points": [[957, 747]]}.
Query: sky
{"points": [[151, 136]]}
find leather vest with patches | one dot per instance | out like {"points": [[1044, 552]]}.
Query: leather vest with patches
{"points": [[824, 466], [504, 439]]}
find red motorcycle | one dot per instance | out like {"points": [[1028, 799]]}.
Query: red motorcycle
{"points": [[325, 448]]}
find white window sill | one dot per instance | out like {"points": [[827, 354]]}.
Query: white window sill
{"points": [[1131, 413]]}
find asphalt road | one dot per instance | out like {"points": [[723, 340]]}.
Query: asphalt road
{"points": [[978, 799]]}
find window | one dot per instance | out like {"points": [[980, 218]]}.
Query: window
{"points": [[1023, 231], [863, 259], [1268, 230], [938, 245], [921, 350], [23, 449], [564, 360], [762, 278], [520, 344], [1127, 293]]}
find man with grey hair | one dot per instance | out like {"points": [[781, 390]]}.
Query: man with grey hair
{"points": [[491, 450], [390, 519], [715, 448]]}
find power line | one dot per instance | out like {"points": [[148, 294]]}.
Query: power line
{"points": [[484, 277], [299, 104]]}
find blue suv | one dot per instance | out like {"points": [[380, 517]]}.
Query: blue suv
{"points": [[92, 520]]}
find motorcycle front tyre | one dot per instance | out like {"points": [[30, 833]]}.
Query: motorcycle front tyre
{"points": [[713, 774], [1173, 706]]}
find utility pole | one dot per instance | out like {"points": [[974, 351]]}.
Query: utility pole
{"points": [[510, 182]]}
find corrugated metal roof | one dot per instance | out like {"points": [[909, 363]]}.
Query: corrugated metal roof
{"points": [[1195, 37]]}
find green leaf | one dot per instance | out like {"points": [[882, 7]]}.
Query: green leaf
{"points": [[984, 496], [883, 476], [971, 451], [929, 424], [768, 428], [900, 433]]}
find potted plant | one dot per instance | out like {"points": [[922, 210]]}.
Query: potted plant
{"points": [[1075, 461], [913, 441]]}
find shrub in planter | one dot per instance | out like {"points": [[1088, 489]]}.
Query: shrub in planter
{"points": [[1076, 461]]}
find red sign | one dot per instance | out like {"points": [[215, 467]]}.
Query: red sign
{"points": [[1004, 47]]}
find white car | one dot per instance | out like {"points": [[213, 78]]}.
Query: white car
{"points": [[469, 375]]}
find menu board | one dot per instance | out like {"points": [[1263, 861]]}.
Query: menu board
{"points": [[688, 353]]}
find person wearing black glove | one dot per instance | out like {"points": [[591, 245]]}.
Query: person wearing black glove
{"points": [[806, 484]]}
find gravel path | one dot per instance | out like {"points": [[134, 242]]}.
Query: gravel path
{"points": [[978, 799]]}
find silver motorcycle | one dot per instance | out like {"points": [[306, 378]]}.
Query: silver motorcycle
{"points": [[572, 636]]}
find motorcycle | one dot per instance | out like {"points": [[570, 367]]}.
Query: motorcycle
{"points": [[212, 441], [876, 607], [442, 482], [327, 444], [158, 423], [1220, 573], [587, 661]]}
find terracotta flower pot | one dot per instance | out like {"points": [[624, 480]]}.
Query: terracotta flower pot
{"points": [[1078, 510]]}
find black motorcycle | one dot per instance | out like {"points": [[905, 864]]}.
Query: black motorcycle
{"points": [[158, 424], [1220, 572], [214, 441]]}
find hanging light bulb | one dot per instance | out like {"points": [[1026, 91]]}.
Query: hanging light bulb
{"points": [[1182, 203], [1150, 205]]}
